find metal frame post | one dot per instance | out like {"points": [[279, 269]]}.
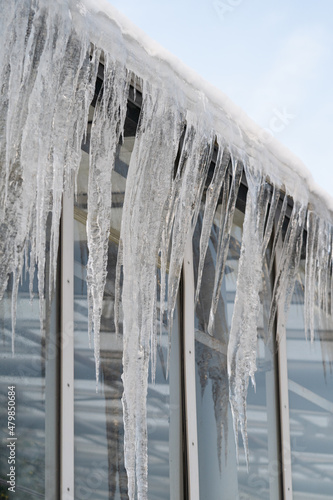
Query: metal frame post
{"points": [[190, 389], [67, 351]]}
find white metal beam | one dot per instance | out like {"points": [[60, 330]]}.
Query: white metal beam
{"points": [[190, 389], [67, 351], [284, 397]]}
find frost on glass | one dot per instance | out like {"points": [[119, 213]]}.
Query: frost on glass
{"points": [[47, 80]]}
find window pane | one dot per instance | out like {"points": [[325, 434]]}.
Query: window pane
{"points": [[310, 400], [219, 475], [33, 370], [99, 434]]}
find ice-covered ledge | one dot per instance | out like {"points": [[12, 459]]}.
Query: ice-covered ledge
{"points": [[115, 33]]}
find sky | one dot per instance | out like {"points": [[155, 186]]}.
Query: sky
{"points": [[273, 59]]}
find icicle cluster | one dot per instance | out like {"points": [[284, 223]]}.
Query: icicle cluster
{"points": [[166, 218], [319, 258], [106, 130], [47, 82], [48, 74]]}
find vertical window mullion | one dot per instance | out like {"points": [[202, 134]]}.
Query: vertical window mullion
{"points": [[175, 433], [67, 351], [189, 361], [284, 396], [52, 402]]}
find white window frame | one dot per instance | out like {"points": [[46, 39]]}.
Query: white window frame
{"points": [[67, 351], [190, 416]]}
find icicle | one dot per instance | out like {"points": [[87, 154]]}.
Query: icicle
{"points": [[47, 82], [266, 298], [310, 272], [204, 164], [169, 211], [288, 265], [13, 98], [76, 91], [189, 185], [212, 195], [156, 143], [295, 258], [271, 217], [196, 155], [47, 69], [164, 256], [107, 126], [323, 245], [212, 365], [12, 119], [167, 227], [242, 346], [153, 339], [278, 230], [263, 202], [135, 83], [47, 66], [317, 270], [326, 296], [266, 292], [224, 239], [32, 262], [117, 293]]}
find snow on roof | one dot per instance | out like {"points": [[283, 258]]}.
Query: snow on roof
{"points": [[113, 32]]}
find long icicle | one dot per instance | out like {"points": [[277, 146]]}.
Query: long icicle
{"points": [[212, 195], [224, 239], [140, 234], [243, 333], [288, 264], [107, 127]]}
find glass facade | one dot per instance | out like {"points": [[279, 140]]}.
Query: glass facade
{"points": [[98, 468], [218, 468], [310, 384], [99, 465], [30, 379]]}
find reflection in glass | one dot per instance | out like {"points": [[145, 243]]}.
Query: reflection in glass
{"points": [[99, 434], [310, 381], [33, 370], [219, 475]]}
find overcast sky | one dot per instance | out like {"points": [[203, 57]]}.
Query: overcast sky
{"points": [[271, 58]]}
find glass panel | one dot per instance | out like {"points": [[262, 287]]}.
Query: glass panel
{"points": [[99, 435], [310, 382], [219, 475], [33, 371]]}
